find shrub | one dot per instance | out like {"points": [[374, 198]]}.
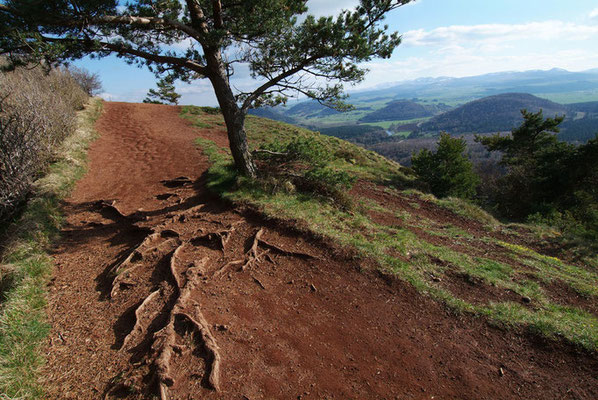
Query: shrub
{"points": [[306, 163], [37, 111], [210, 110], [89, 82]]}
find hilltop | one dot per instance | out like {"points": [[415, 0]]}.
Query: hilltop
{"points": [[400, 110], [329, 278], [497, 113]]}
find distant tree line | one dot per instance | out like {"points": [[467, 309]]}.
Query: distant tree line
{"points": [[539, 177]]}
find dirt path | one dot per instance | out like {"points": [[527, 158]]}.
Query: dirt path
{"points": [[162, 291]]}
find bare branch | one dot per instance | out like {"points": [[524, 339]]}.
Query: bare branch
{"points": [[181, 62], [273, 82]]}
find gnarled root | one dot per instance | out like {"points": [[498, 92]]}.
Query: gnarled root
{"points": [[165, 339], [123, 270], [252, 253], [209, 343], [142, 317], [254, 256]]}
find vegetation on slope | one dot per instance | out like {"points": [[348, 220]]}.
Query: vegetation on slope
{"points": [[26, 265], [37, 111], [447, 249], [491, 114], [398, 110]]}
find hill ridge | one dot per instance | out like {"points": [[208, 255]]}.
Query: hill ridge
{"points": [[164, 288]]}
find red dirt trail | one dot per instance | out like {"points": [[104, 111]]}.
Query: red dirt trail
{"points": [[162, 291]]}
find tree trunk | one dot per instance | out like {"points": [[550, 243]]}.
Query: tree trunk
{"points": [[234, 117]]}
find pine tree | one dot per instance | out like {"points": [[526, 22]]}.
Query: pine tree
{"points": [[535, 161], [166, 93], [447, 171], [287, 52]]}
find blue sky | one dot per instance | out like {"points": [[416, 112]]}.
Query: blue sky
{"points": [[440, 38]]}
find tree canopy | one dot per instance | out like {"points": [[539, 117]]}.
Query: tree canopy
{"points": [[536, 164], [165, 94], [448, 171], [286, 51]]}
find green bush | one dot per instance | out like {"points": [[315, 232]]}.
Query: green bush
{"points": [[447, 171], [302, 149], [305, 163], [210, 110], [329, 177]]}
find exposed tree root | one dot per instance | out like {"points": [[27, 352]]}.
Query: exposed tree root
{"points": [[209, 342], [286, 252], [165, 339], [183, 216], [253, 255], [223, 269], [123, 270], [167, 315], [141, 319]]}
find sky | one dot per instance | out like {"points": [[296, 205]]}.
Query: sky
{"points": [[453, 38]]}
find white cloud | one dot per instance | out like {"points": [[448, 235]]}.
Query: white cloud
{"points": [[109, 96], [469, 62], [476, 34], [334, 7], [594, 13], [328, 7]]}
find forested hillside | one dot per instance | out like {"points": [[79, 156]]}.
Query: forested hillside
{"points": [[398, 110], [491, 114]]}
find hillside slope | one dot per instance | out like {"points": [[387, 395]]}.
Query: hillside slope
{"points": [[398, 110], [162, 289]]}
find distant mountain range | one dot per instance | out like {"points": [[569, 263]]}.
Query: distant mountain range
{"points": [[550, 84], [485, 103], [425, 97]]}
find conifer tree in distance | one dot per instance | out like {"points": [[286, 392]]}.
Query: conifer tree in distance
{"points": [[166, 93]]}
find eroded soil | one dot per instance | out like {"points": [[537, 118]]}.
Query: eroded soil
{"points": [[162, 291]]}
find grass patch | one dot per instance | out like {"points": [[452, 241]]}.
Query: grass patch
{"points": [[398, 249], [468, 210], [23, 324]]}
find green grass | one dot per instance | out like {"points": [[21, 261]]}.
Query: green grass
{"points": [[399, 250], [573, 97], [27, 266], [468, 210]]}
